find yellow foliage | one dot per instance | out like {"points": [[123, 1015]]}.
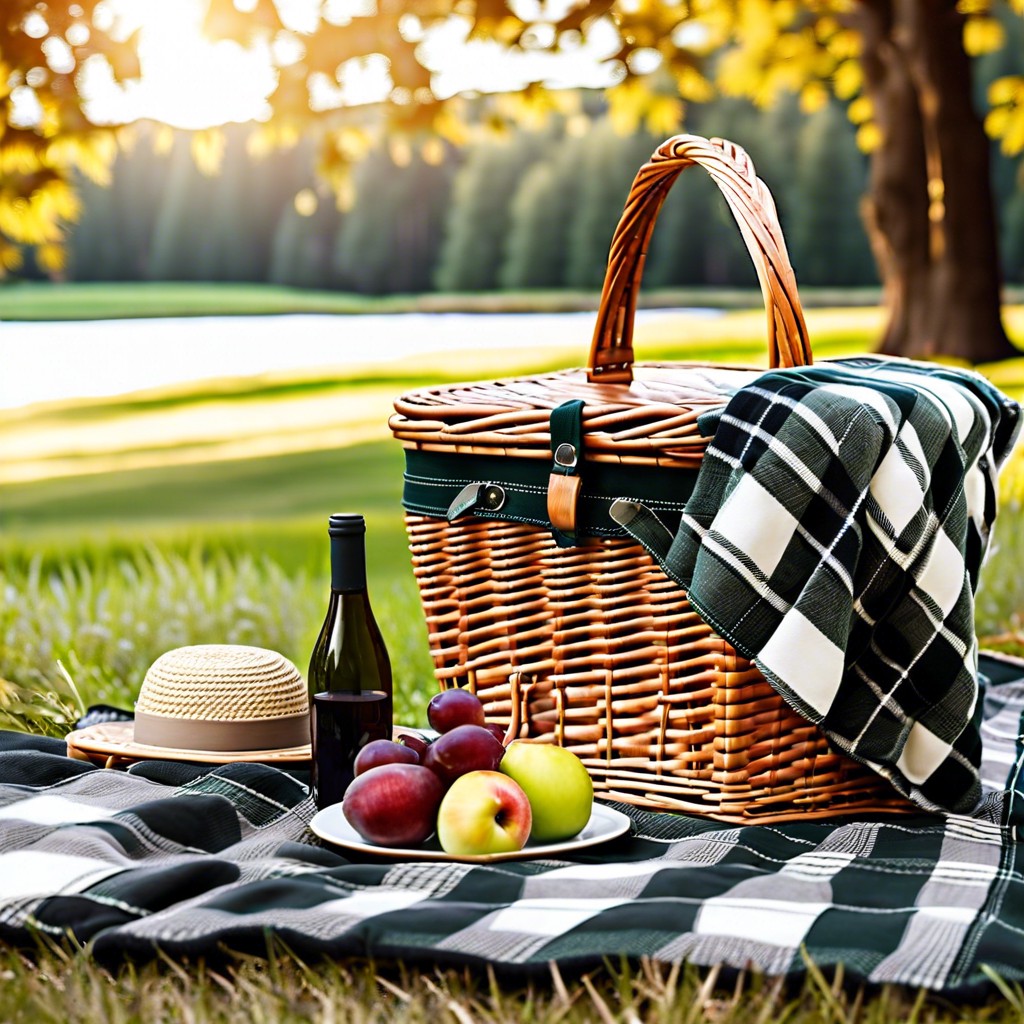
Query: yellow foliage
{"points": [[626, 105], [450, 126], [1013, 139], [10, 257], [844, 44], [36, 219], [983, 35], [1005, 90], [21, 156], [869, 136], [664, 115], [51, 257], [813, 96], [208, 148], [756, 26], [532, 108], [974, 6], [1005, 121], [92, 154], [997, 121], [692, 85], [634, 103], [860, 110], [848, 79]]}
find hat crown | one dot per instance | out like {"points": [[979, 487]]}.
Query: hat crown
{"points": [[222, 682]]}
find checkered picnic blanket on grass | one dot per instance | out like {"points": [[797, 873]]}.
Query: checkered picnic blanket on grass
{"points": [[834, 537], [193, 861]]}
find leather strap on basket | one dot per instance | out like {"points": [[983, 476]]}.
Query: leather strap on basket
{"points": [[565, 482], [611, 352]]}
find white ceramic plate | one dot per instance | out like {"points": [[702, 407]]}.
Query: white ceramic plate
{"points": [[605, 823]]}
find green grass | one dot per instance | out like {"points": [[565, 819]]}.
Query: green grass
{"points": [[58, 987], [110, 300], [239, 490]]}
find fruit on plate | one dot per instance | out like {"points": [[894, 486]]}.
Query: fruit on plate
{"points": [[466, 748], [556, 782], [394, 804], [454, 707], [483, 812], [497, 731], [414, 742], [378, 752]]}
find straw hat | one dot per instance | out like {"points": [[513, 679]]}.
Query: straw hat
{"points": [[213, 703]]}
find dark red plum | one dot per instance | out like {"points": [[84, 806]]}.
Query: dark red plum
{"points": [[467, 748], [414, 742], [454, 707], [497, 731], [378, 752]]}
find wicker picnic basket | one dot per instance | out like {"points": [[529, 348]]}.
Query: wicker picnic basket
{"points": [[562, 624]]}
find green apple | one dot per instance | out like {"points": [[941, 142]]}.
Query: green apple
{"points": [[483, 812], [560, 791]]}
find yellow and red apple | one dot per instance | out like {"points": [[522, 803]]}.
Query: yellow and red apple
{"points": [[483, 812]]}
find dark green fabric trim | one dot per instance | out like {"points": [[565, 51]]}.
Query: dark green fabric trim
{"points": [[433, 480]]}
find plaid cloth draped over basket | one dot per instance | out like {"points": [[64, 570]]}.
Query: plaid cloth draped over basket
{"points": [[835, 536], [536, 597]]}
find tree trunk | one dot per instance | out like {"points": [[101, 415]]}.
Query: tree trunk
{"points": [[930, 212]]}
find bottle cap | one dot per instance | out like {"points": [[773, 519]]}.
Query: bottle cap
{"points": [[345, 524]]}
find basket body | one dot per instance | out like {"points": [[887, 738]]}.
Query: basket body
{"points": [[594, 648], [589, 644]]}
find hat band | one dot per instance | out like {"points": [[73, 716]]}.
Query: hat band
{"points": [[210, 734]]}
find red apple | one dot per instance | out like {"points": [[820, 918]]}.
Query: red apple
{"points": [[454, 707], [483, 812], [467, 748], [394, 804], [378, 752]]}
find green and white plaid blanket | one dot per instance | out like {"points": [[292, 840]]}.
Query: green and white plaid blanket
{"points": [[834, 537], [173, 857]]}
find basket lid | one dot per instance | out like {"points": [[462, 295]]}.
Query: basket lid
{"points": [[651, 419]]}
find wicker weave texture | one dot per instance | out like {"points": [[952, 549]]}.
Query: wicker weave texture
{"points": [[592, 646], [595, 649]]}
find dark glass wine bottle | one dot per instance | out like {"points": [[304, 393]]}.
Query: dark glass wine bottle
{"points": [[349, 670]]}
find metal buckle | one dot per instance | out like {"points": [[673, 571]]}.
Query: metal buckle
{"points": [[492, 497], [565, 455]]}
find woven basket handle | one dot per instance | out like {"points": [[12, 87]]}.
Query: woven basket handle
{"points": [[611, 353]]}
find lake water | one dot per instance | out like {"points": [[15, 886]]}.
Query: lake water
{"points": [[41, 362]]}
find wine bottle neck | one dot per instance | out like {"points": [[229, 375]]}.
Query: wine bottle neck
{"points": [[348, 564]]}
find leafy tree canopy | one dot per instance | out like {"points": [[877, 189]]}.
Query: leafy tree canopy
{"points": [[652, 57]]}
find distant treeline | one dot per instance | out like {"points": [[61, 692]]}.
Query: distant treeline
{"points": [[534, 210]]}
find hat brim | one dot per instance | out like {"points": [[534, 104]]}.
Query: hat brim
{"points": [[111, 743]]}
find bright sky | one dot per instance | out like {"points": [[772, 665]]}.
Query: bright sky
{"points": [[190, 82]]}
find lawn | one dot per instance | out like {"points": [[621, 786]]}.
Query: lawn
{"points": [[39, 301], [157, 533]]}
